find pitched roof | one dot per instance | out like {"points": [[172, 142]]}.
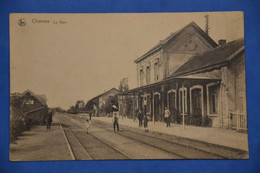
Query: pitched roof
{"points": [[104, 93], [41, 98], [218, 55], [172, 35]]}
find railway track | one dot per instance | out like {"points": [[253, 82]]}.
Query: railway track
{"points": [[183, 148], [77, 151], [174, 154], [183, 152], [86, 146]]}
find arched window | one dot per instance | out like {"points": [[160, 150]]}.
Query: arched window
{"points": [[196, 100], [141, 77], [156, 70], [171, 99], [148, 70]]}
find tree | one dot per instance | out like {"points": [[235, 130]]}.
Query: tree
{"points": [[72, 109], [127, 100], [107, 107], [123, 86]]}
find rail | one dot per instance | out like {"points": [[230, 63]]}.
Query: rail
{"points": [[67, 142], [105, 142]]}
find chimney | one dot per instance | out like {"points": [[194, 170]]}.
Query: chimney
{"points": [[207, 25], [221, 42]]}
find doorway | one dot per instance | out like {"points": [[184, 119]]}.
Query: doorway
{"points": [[172, 105], [196, 102], [156, 107]]}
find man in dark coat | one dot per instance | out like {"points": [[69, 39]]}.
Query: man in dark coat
{"points": [[146, 123], [49, 120], [140, 117]]}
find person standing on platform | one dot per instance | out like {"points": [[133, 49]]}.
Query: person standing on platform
{"points": [[167, 117], [49, 119], [115, 118], [87, 124], [90, 115], [140, 117], [135, 115], [145, 123]]}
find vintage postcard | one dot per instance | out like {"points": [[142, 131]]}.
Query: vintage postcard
{"points": [[127, 86]]}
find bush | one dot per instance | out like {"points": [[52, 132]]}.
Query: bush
{"points": [[194, 120], [207, 122], [18, 124]]}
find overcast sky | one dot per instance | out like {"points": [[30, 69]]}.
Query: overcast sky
{"points": [[90, 53]]}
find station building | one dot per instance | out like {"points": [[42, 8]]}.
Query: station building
{"points": [[97, 104], [200, 81], [32, 106]]}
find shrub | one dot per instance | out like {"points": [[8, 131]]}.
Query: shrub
{"points": [[17, 126], [194, 120], [18, 123]]}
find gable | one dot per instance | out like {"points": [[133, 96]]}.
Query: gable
{"points": [[31, 103], [189, 42], [111, 92], [192, 28]]}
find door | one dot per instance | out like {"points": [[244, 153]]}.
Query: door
{"points": [[156, 107], [141, 103], [196, 102], [172, 106]]}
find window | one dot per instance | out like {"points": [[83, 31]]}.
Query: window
{"points": [[213, 99], [185, 99], [29, 102], [156, 72], [148, 74], [196, 100], [141, 77], [171, 100]]}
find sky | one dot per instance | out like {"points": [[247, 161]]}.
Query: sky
{"points": [[70, 57]]}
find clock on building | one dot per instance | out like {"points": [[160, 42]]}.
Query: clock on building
{"points": [[191, 46]]}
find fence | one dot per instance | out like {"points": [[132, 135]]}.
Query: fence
{"points": [[238, 120]]}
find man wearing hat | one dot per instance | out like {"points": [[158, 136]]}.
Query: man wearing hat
{"points": [[115, 117]]}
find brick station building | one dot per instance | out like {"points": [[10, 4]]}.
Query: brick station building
{"points": [[198, 79]]}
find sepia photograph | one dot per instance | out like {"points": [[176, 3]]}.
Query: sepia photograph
{"points": [[123, 86]]}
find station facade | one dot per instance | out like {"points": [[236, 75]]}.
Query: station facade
{"points": [[200, 81]]}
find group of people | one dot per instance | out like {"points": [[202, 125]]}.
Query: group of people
{"points": [[143, 119]]}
